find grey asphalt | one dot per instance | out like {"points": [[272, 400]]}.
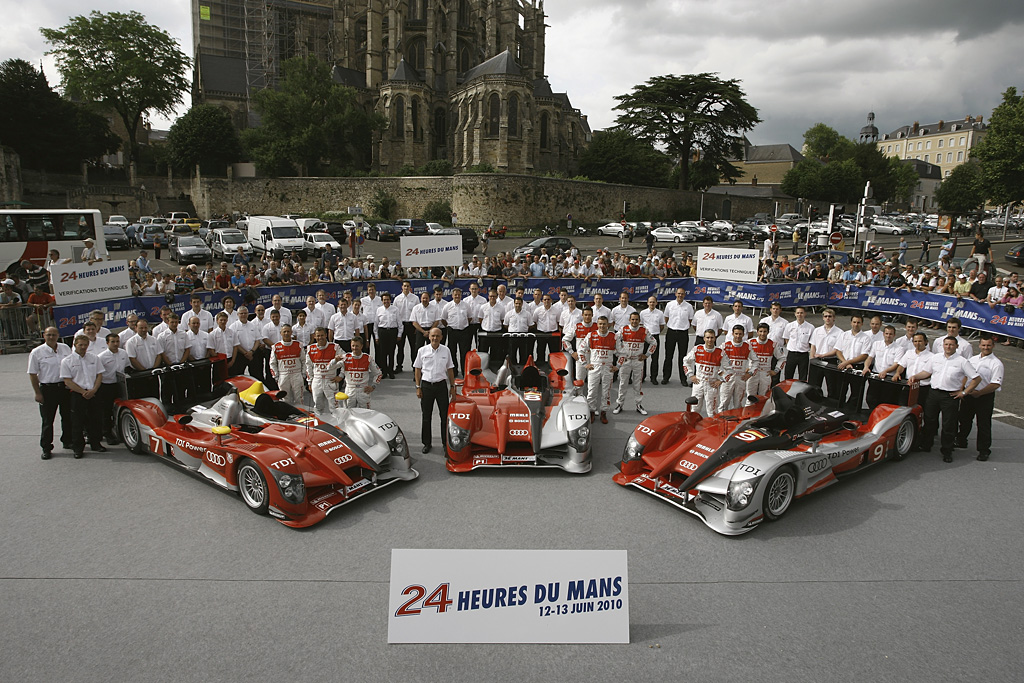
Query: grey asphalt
{"points": [[119, 568]]}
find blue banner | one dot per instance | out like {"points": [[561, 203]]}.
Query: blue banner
{"points": [[937, 307]]}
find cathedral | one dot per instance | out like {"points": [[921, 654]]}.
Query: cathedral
{"points": [[461, 80]]}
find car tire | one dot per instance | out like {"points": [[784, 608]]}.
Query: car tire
{"points": [[906, 436], [252, 487], [779, 493], [715, 238], [131, 433]]}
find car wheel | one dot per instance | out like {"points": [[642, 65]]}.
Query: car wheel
{"points": [[252, 486], [906, 435], [676, 240], [131, 433], [778, 494], [714, 238]]}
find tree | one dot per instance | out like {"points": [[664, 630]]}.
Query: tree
{"points": [[616, 156], [122, 62], [46, 131], [203, 136], [962, 192], [1001, 153], [825, 144], [905, 179], [309, 123], [383, 204], [686, 114]]}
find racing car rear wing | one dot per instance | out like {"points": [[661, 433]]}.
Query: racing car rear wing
{"points": [[176, 385]]}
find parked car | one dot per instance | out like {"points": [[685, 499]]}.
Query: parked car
{"points": [[317, 243], [613, 229], [189, 249], [1016, 254], [434, 228], [411, 226], [119, 221], [470, 240], [789, 219], [667, 233], [178, 216], [337, 230], [381, 232], [722, 234], [115, 237], [149, 232], [193, 223], [552, 244], [824, 254], [224, 243]]}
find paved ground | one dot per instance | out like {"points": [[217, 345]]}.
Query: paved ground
{"points": [[119, 568]]}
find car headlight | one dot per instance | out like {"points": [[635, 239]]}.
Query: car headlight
{"points": [[399, 446], [741, 493], [579, 438], [633, 450], [291, 485], [458, 438]]}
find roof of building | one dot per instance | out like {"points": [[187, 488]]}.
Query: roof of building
{"points": [[348, 77], [764, 191], [763, 154], [924, 169], [222, 74], [404, 72], [503, 64], [941, 126], [541, 87]]}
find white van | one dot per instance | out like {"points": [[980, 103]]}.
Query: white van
{"points": [[274, 235]]}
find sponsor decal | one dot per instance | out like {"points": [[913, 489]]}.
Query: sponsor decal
{"points": [[458, 416], [743, 467], [702, 447], [282, 463], [188, 446], [752, 435], [215, 459], [356, 486], [687, 465], [519, 432], [817, 465], [388, 425], [519, 458], [645, 430], [481, 461], [709, 503], [343, 459]]}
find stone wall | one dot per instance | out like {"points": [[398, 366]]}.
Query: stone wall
{"points": [[68, 190]]}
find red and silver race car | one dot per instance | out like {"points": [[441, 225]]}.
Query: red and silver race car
{"points": [[741, 467], [281, 459], [526, 417]]}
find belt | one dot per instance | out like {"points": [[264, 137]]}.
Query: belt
{"points": [[52, 384], [423, 381]]}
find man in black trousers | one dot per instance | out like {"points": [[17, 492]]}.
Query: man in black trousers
{"points": [[434, 373]]}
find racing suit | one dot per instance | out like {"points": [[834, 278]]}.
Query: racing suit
{"points": [[760, 381], [571, 344], [736, 359], [359, 371], [286, 366], [629, 346], [598, 351], [704, 365], [321, 363]]}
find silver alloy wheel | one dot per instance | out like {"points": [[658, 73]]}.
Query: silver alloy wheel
{"points": [[131, 434], [905, 437], [779, 494], [253, 487]]}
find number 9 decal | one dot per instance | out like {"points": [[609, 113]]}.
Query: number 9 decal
{"points": [[878, 452]]}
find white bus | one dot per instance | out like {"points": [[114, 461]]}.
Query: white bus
{"points": [[30, 234]]}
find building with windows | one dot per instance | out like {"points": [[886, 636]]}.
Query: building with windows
{"points": [[946, 144], [461, 80]]}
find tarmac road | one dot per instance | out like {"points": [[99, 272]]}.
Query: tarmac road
{"points": [[119, 568]]}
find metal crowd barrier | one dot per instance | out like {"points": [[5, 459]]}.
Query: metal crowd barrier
{"points": [[21, 327]]}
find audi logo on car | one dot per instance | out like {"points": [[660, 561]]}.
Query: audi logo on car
{"points": [[215, 459], [817, 465], [341, 460], [518, 432]]}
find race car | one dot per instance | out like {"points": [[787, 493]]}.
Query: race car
{"points": [[525, 417], [741, 467], [282, 460]]}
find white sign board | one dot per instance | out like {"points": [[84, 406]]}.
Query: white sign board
{"points": [[432, 250], [80, 283], [508, 596], [737, 265]]}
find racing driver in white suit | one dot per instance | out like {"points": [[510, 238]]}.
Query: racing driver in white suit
{"points": [[629, 345], [361, 375], [321, 368], [703, 366], [286, 361], [761, 373], [597, 353], [737, 359]]}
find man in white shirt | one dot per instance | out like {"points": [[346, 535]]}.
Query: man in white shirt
{"points": [[249, 338], [912, 362], [953, 376], [405, 303], [906, 342], [963, 347], [342, 326], [276, 304], [600, 309], [387, 334], [174, 341], [569, 316], [198, 340], [653, 319], [545, 318], [875, 329], [519, 321], [128, 332], [83, 374], [424, 318], [370, 303], [884, 359], [678, 319], [997, 292], [977, 404], [456, 315], [492, 317], [708, 319], [325, 306], [797, 337], [621, 313], [852, 350], [314, 314], [476, 300], [228, 303], [432, 368], [223, 341], [823, 350], [144, 351], [113, 360], [89, 254], [738, 317], [50, 391], [197, 311]]}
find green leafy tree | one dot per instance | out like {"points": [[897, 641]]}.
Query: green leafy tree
{"points": [[1001, 153], [438, 211], [309, 123], [122, 62], [804, 180], [825, 144], [203, 136], [962, 192], [905, 179], [47, 131], [616, 156], [383, 204], [687, 114], [437, 167]]}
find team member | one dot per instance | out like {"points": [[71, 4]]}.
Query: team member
{"points": [[797, 337], [884, 358], [144, 351], [545, 318], [568, 317], [321, 369], [823, 349], [600, 309], [113, 360], [852, 350], [571, 341], [738, 317], [874, 330], [89, 329], [913, 362], [405, 303], [314, 316], [276, 305], [50, 391], [249, 338], [738, 359], [629, 346], [83, 375], [128, 332], [770, 361], [906, 342], [653, 319], [361, 375], [518, 321], [679, 317], [703, 368], [224, 342], [197, 311], [621, 313], [597, 353], [456, 315], [949, 372], [978, 403], [476, 300], [963, 347], [287, 360], [492, 317], [433, 367], [387, 333], [708, 319], [174, 342], [424, 318], [342, 326], [776, 328], [229, 309], [198, 340]]}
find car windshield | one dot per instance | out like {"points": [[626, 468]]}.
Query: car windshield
{"points": [[190, 242], [112, 230], [538, 242], [159, 221], [232, 238], [286, 232], [154, 230], [322, 237]]}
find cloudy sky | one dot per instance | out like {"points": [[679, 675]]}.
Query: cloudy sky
{"points": [[799, 61]]}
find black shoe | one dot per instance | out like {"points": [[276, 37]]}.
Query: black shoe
{"points": [[654, 380], [79, 454], [685, 383], [947, 457], [47, 455], [98, 448], [981, 456], [398, 369], [664, 381], [426, 449], [960, 444]]}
